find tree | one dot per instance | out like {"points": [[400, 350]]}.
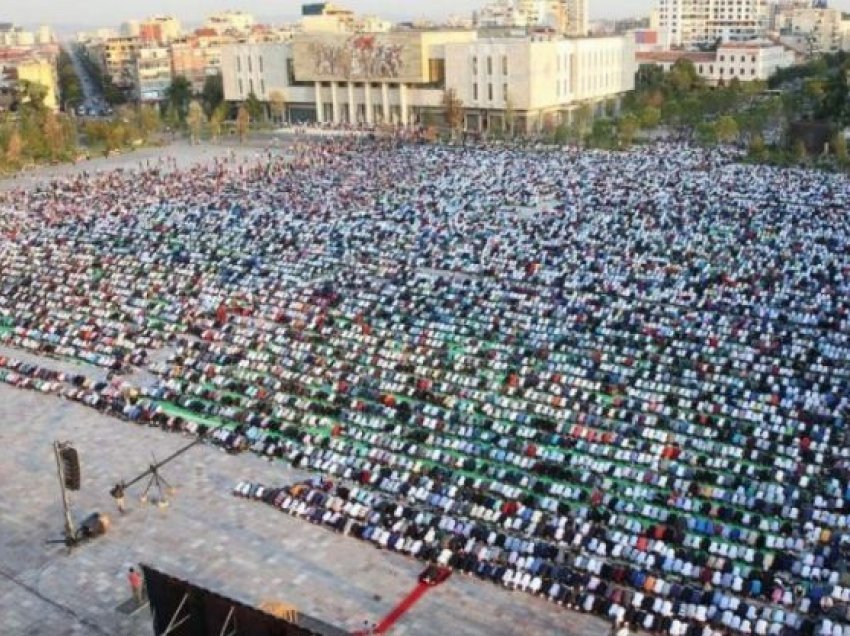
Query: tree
{"points": [[839, 147], [217, 118], [178, 95], [691, 112], [277, 102], [54, 135], [14, 148], [562, 134], [195, 120], [706, 134], [510, 115], [650, 117], [801, 155], [582, 119], [671, 112], [683, 76], [835, 106], [212, 93], [757, 150], [243, 122], [32, 96], [172, 117], [116, 136], [453, 108], [149, 120], [602, 133], [627, 129], [255, 107], [726, 129]]}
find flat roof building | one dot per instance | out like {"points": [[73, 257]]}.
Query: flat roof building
{"points": [[401, 77]]}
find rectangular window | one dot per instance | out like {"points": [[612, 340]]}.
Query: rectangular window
{"points": [[251, 86], [241, 87], [250, 66], [505, 92], [475, 92], [261, 63], [489, 65], [490, 92], [238, 64], [504, 65], [262, 87], [475, 66]]}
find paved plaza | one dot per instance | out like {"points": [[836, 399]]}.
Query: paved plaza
{"points": [[229, 545]]}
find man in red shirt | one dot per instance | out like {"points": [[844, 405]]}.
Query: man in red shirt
{"points": [[135, 580]]}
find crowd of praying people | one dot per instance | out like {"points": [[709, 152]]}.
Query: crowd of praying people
{"points": [[618, 381]]}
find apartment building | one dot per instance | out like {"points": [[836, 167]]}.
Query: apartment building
{"points": [[700, 23], [152, 75]]}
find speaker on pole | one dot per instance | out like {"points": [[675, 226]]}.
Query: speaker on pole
{"points": [[70, 466]]}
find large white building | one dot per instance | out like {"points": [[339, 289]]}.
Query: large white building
{"points": [[544, 80], [744, 61], [402, 77], [693, 23]]}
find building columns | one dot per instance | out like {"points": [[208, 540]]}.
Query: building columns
{"points": [[402, 92], [385, 98], [352, 107], [335, 104], [370, 111], [320, 107]]}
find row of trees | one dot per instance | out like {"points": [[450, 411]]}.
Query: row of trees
{"points": [[34, 133], [70, 89]]}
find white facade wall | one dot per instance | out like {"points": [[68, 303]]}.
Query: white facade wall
{"points": [[745, 63], [693, 22], [538, 76], [259, 68]]}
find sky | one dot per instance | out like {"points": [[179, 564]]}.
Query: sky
{"points": [[112, 13]]}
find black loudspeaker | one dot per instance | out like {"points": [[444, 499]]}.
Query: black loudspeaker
{"points": [[70, 467], [94, 525]]}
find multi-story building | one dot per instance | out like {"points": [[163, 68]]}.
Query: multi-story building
{"points": [[402, 77], [117, 57], [10, 35], [160, 29], [695, 23], [821, 30], [561, 16], [577, 17], [230, 22], [33, 66], [326, 17], [152, 73], [198, 56], [544, 80], [744, 61]]}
